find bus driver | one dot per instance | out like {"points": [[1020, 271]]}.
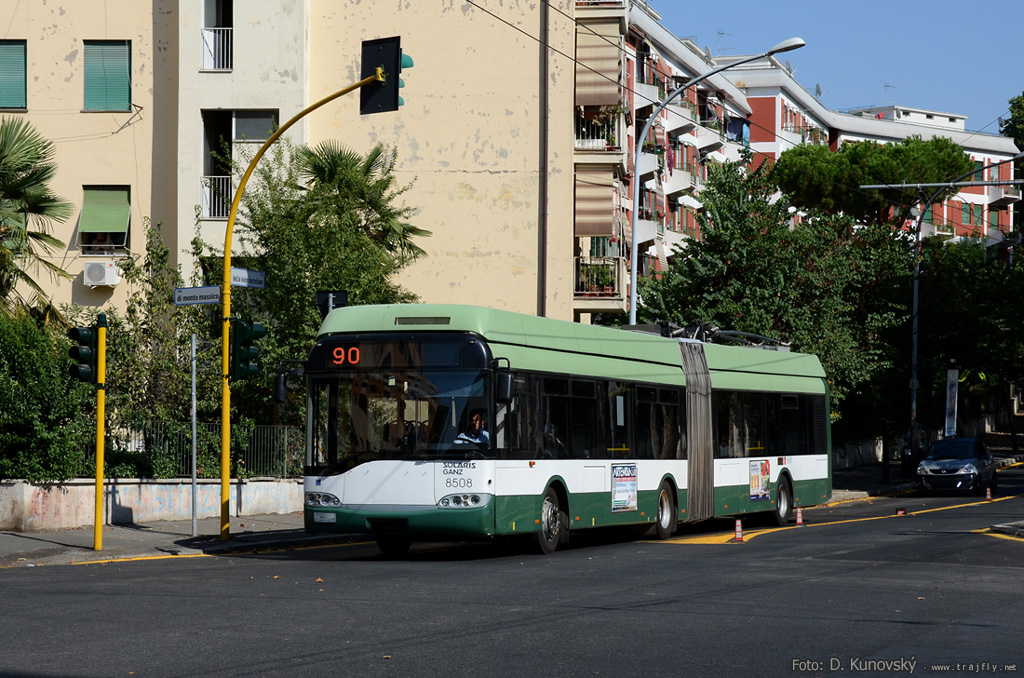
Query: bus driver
{"points": [[475, 433]]}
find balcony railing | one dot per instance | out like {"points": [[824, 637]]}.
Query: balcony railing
{"points": [[216, 197], [217, 49], [599, 276], [595, 135]]}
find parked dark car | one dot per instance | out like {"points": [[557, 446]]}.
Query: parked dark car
{"points": [[957, 464]]}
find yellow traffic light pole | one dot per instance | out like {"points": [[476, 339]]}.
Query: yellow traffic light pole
{"points": [[225, 413], [101, 407]]}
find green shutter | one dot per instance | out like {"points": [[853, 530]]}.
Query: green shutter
{"points": [[105, 210], [977, 215], [12, 74], [108, 79]]}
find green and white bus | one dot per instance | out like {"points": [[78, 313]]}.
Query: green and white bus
{"points": [[578, 427]]}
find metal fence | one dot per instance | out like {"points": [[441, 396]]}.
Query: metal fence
{"points": [[268, 451]]}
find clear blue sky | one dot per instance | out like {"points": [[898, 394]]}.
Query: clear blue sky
{"points": [[954, 57]]}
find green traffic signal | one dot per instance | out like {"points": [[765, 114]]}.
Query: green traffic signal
{"points": [[384, 53], [83, 354], [243, 354]]}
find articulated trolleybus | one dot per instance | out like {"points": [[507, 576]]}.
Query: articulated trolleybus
{"points": [[443, 422]]}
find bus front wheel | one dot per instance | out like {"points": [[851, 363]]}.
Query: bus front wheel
{"points": [[783, 503], [552, 522]]}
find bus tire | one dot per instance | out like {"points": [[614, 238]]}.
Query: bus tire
{"points": [[666, 523], [393, 545], [552, 522], [783, 502]]}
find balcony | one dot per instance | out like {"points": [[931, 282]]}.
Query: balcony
{"points": [[1003, 196], [217, 49], [604, 10], [597, 141], [710, 137], [677, 181], [216, 196], [600, 285], [647, 166], [681, 118]]}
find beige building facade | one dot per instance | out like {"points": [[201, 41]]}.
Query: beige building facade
{"points": [[91, 70]]}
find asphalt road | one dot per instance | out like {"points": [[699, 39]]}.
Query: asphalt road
{"points": [[858, 590]]}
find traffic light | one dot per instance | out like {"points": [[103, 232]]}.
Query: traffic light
{"points": [[243, 353], [385, 53], [83, 353]]}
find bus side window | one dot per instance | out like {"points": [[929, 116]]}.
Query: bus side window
{"points": [[619, 420], [583, 415]]}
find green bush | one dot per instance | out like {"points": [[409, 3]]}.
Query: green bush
{"points": [[45, 417]]}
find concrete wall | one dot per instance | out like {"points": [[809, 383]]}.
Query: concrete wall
{"points": [[25, 507]]}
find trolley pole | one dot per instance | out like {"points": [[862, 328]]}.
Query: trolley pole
{"points": [[225, 413]]}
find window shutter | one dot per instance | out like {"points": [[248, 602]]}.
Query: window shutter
{"points": [[12, 74], [108, 80]]}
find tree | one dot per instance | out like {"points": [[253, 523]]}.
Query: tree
{"points": [[816, 177], [824, 286], [45, 428], [969, 319], [320, 219], [27, 208]]}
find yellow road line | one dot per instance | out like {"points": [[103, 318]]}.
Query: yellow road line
{"points": [[167, 556], [730, 537]]}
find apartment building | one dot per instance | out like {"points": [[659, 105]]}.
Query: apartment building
{"points": [[517, 136], [627, 65], [93, 77], [786, 115]]}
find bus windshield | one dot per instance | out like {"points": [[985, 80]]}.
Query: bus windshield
{"points": [[363, 416]]}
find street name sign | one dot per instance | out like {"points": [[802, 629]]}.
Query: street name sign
{"points": [[241, 277], [186, 296]]}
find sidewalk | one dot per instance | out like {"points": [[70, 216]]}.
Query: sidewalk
{"points": [[158, 539]]}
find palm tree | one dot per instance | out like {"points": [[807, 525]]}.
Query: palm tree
{"points": [[27, 209], [365, 188]]}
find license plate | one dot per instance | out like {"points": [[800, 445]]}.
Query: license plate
{"points": [[325, 518]]}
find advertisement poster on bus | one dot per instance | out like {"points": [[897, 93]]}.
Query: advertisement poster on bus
{"points": [[760, 480], [624, 488]]}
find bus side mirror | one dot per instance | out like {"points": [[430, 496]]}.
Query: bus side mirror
{"points": [[503, 387]]}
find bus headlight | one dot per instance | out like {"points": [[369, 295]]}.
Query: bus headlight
{"points": [[459, 501], [320, 499]]}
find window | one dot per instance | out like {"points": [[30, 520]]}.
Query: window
{"points": [[108, 79], [12, 74], [106, 213], [217, 35], [255, 125]]}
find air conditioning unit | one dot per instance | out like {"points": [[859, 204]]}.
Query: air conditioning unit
{"points": [[101, 273]]}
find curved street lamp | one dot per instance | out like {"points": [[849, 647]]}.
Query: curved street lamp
{"points": [[784, 46]]}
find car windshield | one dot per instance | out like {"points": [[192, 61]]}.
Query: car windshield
{"points": [[952, 449]]}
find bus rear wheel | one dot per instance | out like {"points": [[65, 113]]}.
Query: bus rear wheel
{"points": [[666, 523], [783, 503], [552, 522]]}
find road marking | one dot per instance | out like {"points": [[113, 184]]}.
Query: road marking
{"points": [[730, 537], [132, 558]]}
